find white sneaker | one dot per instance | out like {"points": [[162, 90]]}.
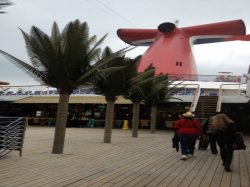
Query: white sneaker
{"points": [[184, 157]]}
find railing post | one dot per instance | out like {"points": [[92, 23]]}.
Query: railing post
{"points": [[218, 107], [195, 98]]}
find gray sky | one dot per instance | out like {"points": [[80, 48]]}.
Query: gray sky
{"points": [[106, 16]]}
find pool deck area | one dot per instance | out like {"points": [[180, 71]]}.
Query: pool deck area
{"points": [[148, 160]]}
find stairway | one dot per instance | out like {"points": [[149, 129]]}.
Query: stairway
{"points": [[206, 106]]}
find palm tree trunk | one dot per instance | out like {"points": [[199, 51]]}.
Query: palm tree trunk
{"points": [[61, 120], [109, 120], [153, 118], [135, 120]]}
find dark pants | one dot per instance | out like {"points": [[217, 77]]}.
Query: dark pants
{"points": [[187, 144], [213, 141], [226, 152]]}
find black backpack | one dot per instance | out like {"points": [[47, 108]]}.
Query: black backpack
{"points": [[239, 143]]}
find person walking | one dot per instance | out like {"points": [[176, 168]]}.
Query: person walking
{"points": [[210, 130], [188, 130], [226, 137]]}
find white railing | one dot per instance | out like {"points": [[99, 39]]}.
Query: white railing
{"points": [[189, 90], [195, 98], [218, 106], [229, 90], [190, 87], [210, 78], [33, 90]]}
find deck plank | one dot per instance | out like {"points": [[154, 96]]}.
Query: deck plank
{"points": [[236, 169], [195, 171], [244, 177]]}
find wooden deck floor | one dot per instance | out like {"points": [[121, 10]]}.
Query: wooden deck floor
{"points": [[147, 160]]}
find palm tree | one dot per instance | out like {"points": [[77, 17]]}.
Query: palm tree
{"points": [[166, 90], [160, 91], [157, 91], [63, 60], [4, 3], [111, 82], [138, 85]]}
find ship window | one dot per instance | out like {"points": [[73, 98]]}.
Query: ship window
{"points": [[178, 63]]}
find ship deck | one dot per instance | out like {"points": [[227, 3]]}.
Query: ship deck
{"points": [[148, 160]]}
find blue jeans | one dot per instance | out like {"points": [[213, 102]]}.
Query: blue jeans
{"points": [[187, 144]]}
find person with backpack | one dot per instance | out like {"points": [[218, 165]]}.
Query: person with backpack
{"points": [[226, 129]]}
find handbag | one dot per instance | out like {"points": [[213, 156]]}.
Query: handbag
{"points": [[203, 142], [175, 142], [239, 143]]}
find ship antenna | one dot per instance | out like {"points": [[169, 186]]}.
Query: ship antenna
{"points": [[176, 22]]}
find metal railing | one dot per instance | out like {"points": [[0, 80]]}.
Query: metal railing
{"points": [[38, 90], [220, 77], [195, 99], [12, 131], [236, 90], [7, 90]]}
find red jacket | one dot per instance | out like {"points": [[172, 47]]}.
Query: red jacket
{"points": [[188, 126]]}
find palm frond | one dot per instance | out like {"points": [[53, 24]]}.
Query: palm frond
{"points": [[56, 38], [157, 89], [140, 77], [175, 89], [140, 83], [104, 73], [92, 52], [3, 4], [30, 70], [39, 48], [106, 52], [46, 49], [98, 65], [32, 49]]}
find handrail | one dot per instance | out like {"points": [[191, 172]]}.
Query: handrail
{"points": [[195, 98], [219, 100], [220, 93], [41, 90]]}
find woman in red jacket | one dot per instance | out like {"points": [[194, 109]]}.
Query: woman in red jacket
{"points": [[188, 130]]}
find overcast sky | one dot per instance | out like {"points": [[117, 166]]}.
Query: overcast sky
{"points": [[106, 16]]}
